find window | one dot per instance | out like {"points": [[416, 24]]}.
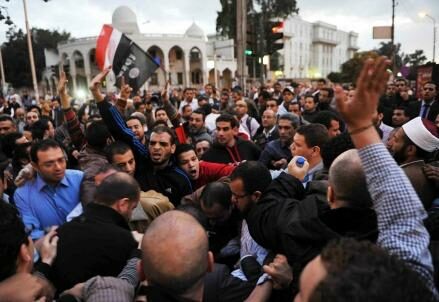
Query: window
{"points": [[196, 77], [178, 54], [154, 79], [180, 78]]}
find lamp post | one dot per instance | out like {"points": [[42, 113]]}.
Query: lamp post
{"points": [[31, 52], [423, 15]]}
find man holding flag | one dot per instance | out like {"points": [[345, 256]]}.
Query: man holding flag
{"points": [[155, 165]]}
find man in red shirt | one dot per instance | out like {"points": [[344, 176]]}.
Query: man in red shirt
{"points": [[200, 172]]}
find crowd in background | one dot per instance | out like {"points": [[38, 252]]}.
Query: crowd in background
{"points": [[315, 191]]}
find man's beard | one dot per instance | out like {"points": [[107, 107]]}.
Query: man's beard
{"points": [[399, 156]]}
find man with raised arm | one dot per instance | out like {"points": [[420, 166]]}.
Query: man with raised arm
{"points": [[156, 168]]}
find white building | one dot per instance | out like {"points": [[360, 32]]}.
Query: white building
{"points": [[184, 58], [313, 50]]}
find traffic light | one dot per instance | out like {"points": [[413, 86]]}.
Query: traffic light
{"points": [[251, 43], [275, 36]]}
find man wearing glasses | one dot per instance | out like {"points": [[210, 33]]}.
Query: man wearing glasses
{"points": [[46, 200]]}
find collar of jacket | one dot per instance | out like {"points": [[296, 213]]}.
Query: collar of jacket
{"points": [[105, 214]]}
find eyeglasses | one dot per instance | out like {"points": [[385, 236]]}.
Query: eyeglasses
{"points": [[429, 89]]}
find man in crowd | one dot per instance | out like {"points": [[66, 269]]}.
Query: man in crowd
{"points": [[330, 120], [196, 129], [248, 123], [155, 166], [287, 98], [277, 154], [138, 127], [47, 200], [80, 247], [200, 172], [7, 125], [400, 116], [309, 109], [268, 130], [412, 146], [229, 148], [428, 106]]}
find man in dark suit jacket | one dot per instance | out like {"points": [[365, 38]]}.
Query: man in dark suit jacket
{"points": [[428, 107], [99, 242]]}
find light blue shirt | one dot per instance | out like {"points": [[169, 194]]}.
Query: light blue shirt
{"points": [[42, 205]]}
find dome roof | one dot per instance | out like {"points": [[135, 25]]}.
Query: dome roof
{"points": [[194, 31], [125, 20]]}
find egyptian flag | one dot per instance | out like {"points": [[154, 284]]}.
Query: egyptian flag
{"points": [[127, 58]]}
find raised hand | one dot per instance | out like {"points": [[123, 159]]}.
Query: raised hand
{"points": [[358, 112], [125, 89], [62, 83], [165, 96], [62, 90], [96, 83]]}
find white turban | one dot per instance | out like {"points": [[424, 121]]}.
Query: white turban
{"points": [[420, 135]]}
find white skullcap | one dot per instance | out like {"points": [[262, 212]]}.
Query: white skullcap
{"points": [[418, 133]]}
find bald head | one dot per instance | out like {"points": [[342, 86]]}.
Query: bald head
{"points": [[117, 186], [175, 252], [348, 181]]}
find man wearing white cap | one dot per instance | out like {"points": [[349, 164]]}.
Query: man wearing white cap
{"points": [[413, 144]]}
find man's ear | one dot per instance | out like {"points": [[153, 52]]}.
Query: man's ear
{"points": [[35, 166], [235, 131], [210, 262], [255, 196], [330, 196], [25, 259], [122, 205], [140, 271], [410, 151], [316, 151], [173, 146]]}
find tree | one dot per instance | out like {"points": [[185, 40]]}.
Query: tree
{"points": [[16, 56], [415, 59], [386, 49], [226, 18], [351, 68]]}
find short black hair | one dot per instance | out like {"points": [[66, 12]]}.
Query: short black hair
{"points": [[362, 271], [216, 192], [97, 135], [184, 107], [254, 174], [335, 146], [8, 143], [294, 119], [159, 109], [38, 128], [165, 129], [118, 147], [134, 117], [12, 236], [115, 187], [138, 104], [329, 90], [225, 117], [325, 117], [6, 117], [43, 145], [35, 107], [182, 148], [314, 134], [405, 109], [200, 111]]}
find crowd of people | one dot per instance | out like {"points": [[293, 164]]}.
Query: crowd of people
{"points": [[288, 192]]}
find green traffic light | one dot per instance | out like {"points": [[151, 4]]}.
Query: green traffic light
{"points": [[248, 52]]}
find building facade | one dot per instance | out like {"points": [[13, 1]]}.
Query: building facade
{"points": [[186, 60], [313, 50]]}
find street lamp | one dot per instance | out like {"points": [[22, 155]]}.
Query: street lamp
{"points": [[423, 15]]}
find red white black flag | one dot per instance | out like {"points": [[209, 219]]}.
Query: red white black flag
{"points": [[127, 58]]}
